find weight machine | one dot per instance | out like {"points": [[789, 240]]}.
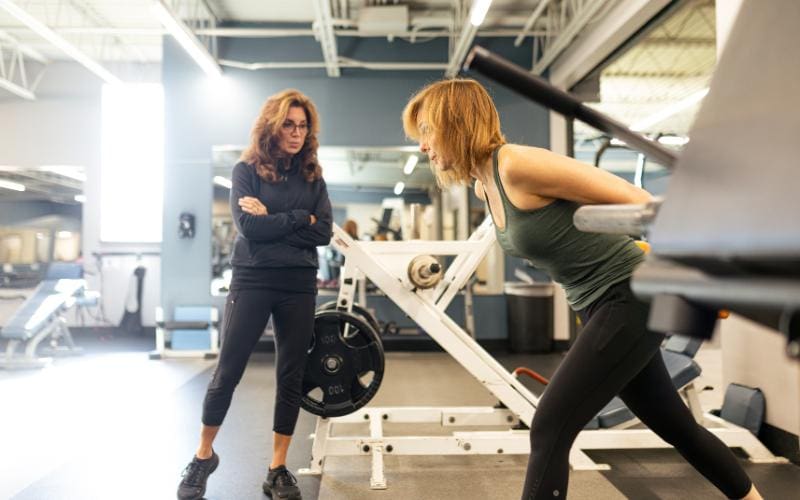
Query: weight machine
{"points": [[409, 275]]}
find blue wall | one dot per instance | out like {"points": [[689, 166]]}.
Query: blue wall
{"points": [[362, 108]]}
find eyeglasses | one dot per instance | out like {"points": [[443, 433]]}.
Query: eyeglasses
{"points": [[290, 127]]}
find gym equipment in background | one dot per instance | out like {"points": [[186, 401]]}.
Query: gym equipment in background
{"points": [[131, 321], [193, 332], [42, 315]]}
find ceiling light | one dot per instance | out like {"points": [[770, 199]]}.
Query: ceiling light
{"points": [[478, 12], [80, 198], [670, 110], [64, 234], [673, 140], [186, 38], [51, 36], [399, 187], [14, 186], [411, 164], [222, 181]]}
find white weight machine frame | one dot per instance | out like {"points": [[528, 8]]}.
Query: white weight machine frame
{"points": [[386, 264]]}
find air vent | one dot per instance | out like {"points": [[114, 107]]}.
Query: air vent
{"points": [[383, 20]]}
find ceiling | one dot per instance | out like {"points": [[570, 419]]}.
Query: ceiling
{"points": [[674, 59], [58, 183], [128, 30], [672, 62]]}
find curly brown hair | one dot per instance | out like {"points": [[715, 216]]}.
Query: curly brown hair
{"points": [[264, 151]]}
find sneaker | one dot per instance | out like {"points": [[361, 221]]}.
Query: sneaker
{"points": [[281, 484], [195, 476]]}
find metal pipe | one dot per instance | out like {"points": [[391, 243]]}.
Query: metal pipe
{"points": [[343, 63], [417, 31], [530, 22], [541, 91]]}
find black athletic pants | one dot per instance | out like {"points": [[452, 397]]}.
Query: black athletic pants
{"points": [[246, 315], [615, 354]]}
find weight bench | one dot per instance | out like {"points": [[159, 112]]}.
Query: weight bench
{"points": [[42, 316], [192, 333], [678, 353]]}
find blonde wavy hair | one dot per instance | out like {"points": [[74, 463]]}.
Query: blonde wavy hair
{"points": [[462, 119], [264, 151]]}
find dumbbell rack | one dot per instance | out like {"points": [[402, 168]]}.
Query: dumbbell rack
{"points": [[386, 265]]}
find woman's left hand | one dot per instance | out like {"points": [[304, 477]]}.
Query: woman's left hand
{"points": [[252, 206]]}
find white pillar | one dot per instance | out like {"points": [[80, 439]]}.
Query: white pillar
{"points": [[561, 316]]}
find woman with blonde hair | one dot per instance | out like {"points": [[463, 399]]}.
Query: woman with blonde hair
{"points": [[532, 195], [281, 210]]}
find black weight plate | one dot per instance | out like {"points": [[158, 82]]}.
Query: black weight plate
{"points": [[357, 309], [345, 365]]}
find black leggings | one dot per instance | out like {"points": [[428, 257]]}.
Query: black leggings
{"points": [[246, 315], [616, 354]]}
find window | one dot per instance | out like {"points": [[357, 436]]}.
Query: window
{"points": [[132, 171]]}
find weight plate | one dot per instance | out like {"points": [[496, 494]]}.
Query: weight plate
{"points": [[345, 365], [358, 310]]}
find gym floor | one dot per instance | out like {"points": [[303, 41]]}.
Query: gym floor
{"points": [[113, 424]]}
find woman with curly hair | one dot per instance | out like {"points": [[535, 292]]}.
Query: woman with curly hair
{"points": [[281, 209]]}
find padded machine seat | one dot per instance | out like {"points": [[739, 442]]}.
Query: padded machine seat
{"points": [[191, 332], [678, 353], [41, 315]]}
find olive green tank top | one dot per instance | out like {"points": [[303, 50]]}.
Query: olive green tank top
{"points": [[584, 264]]}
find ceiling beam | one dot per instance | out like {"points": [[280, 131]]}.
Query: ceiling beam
{"points": [[535, 15], [54, 38], [14, 75], [600, 40], [184, 35], [580, 19], [280, 32], [323, 25], [459, 53]]}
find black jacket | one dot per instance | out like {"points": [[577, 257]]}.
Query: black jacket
{"points": [[285, 237]]}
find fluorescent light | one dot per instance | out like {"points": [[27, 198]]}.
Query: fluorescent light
{"points": [[673, 140], [51, 36], [14, 186], [64, 234], [411, 163], [670, 110], [399, 187], [222, 181], [478, 12], [80, 198], [187, 39], [71, 171]]}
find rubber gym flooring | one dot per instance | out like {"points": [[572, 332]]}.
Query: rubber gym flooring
{"points": [[114, 425]]}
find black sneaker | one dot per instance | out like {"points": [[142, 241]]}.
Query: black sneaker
{"points": [[281, 484], [195, 476]]}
